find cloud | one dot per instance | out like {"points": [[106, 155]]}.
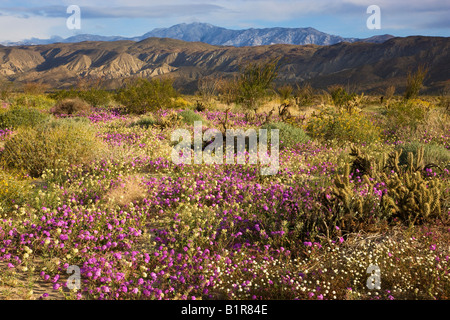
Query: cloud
{"points": [[15, 28], [89, 12], [439, 22]]}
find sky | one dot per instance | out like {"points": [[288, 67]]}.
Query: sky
{"points": [[24, 19]]}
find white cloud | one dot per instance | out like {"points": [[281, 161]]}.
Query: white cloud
{"points": [[15, 28]]}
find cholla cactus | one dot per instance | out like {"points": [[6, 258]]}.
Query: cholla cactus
{"points": [[419, 161], [393, 160], [362, 165], [409, 196], [343, 189], [412, 198], [172, 120]]}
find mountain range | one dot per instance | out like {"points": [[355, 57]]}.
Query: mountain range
{"points": [[362, 65], [207, 33]]}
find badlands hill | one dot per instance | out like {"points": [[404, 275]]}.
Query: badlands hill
{"points": [[368, 66]]}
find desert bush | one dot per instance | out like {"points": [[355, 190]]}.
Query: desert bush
{"points": [[389, 94], [6, 88], [96, 97], [331, 124], [444, 102], [228, 90], [254, 82], [342, 99], [180, 103], [285, 93], [71, 106], [51, 145], [289, 136], [407, 114], [34, 88], [17, 117], [304, 95], [338, 95], [148, 120], [36, 101], [13, 192], [208, 89], [414, 82], [141, 96], [93, 96], [189, 116]]}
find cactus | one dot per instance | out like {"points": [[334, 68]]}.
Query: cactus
{"points": [[416, 199], [362, 165], [393, 160], [410, 197]]}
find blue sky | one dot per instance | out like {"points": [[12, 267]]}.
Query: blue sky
{"points": [[45, 18]]}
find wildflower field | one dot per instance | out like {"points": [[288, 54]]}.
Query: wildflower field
{"points": [[96, 192]]}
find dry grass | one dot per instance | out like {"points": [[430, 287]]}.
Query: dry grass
{"points": [[129, 191], [71, 106]]}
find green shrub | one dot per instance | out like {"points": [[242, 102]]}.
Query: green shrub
{"points": [[146, 121], [289, 135], [331, 124], [407, 114], [339, 96], [52, 145], [37, 101], [94, 97], [142, 95], [189, 116], [20, 116], [13, 191], [342, 99], [414, 82], [6, 88], [71, 106], [254, 82], [433, 153], [304, 95], [285, 93]]}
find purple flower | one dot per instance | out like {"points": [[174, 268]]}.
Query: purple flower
{"points": [[45, 295]]}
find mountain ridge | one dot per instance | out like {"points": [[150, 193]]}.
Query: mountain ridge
{"points": [[208, 33], [368, 66]]}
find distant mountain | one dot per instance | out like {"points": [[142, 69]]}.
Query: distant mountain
{"points": [[362, 65], [57, 39], [207, 33]]}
